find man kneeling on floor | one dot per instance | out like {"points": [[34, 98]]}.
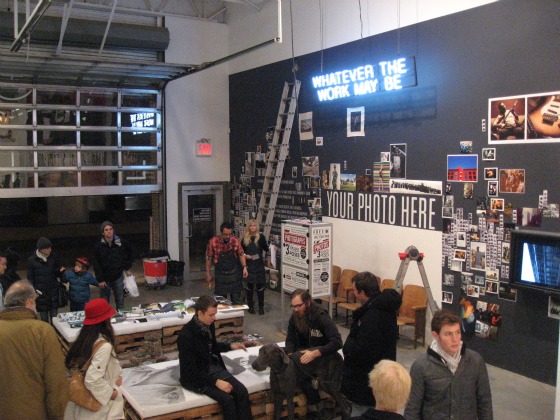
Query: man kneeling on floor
{"points": [[202, 369]]}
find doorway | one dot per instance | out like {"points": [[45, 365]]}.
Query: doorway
{"points": [[202, 215]]}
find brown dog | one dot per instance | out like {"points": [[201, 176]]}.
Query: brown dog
{"points": [[286, 371]]}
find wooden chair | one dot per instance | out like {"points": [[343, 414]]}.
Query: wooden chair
{"points": [[351, 305], [345, 286], [336, 296], [387, 284], [413, 311]]}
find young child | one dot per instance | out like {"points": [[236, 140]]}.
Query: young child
{"points": [[79, 280]]}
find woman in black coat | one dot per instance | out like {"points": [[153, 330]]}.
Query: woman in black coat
{"points": [[255, 248]]}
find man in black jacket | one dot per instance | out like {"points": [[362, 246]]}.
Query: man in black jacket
{"points": [[313, 334], [112, 256], [43, 272], [202, 368], [373, 337]]}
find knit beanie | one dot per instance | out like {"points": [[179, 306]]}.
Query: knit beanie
{"points": [[105, 224], [44, 243]]}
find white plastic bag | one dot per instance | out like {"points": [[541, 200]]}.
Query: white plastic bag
{"points": [[131, 286]]}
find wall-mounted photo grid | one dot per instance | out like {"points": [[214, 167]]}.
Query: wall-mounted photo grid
{"points": [[476, 256], [530, 118]]}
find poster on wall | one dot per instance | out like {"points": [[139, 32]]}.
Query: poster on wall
{"points": [[321, 260], [294, 278], [462, 168], [306, 126], [398, 160], [532, 118], [512, 181], [310, 165], [294, 246], [381, 176], [355, 122], [335, 176]]}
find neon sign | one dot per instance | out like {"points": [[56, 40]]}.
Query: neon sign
{"points": [[367, 79], [142, 120]]}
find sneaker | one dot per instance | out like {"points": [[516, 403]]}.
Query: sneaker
{"points": [[251, 310], [261, 311]]}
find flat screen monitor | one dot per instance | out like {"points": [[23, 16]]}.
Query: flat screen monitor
{"points": [[535, 260]]}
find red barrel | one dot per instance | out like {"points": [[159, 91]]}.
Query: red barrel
{"points": [[155, 271]]}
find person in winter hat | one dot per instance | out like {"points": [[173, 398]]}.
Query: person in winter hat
{"points": [[44, 272], [79, 279]]}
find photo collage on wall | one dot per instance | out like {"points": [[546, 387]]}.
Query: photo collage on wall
{"points": [[476, 247]]}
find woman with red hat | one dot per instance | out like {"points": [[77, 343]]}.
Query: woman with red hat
{"points": [[79, 279], [103, 377]]}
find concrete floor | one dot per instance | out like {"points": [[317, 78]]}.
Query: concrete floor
{"points": [[514, 396]]}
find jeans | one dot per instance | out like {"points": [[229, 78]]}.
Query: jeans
{"points": [[118, 291], [47, 316], [77, 306], [236, 405]]}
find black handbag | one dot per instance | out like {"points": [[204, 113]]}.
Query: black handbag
{"points": [[62, 295]]}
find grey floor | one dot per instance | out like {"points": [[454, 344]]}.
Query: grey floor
{"points": [[514, 396]]}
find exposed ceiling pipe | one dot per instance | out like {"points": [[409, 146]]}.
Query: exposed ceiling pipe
{"points": [[222, 10], [23, 35], [65, 17], [111, 16], [276, 40]]}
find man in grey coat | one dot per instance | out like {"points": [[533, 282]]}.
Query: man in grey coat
{"points": [[449, 381]]}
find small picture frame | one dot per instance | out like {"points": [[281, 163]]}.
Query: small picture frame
{"points": [[489, 153], [492, 188], [497, 204], [554, 306], [491, 174]]}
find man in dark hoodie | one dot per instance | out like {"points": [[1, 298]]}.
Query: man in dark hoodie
{"points": [[112, 256], [312, 334], [373, 337]]}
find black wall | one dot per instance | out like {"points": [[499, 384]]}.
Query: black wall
{"points": [[508, 48]]}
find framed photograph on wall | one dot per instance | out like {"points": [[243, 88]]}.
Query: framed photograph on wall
{"points": [[554, 306], [542, 110], [507, 120], [462, 168], [489, 153], [490, 174], [478, 256], [398, 160], [492, 188], [512, 181], [355, 122], [497, 204]]}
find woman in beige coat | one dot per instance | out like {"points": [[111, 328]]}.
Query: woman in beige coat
{"points": [[103, 376]]}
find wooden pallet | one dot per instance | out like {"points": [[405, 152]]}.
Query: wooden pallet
{"points": [[135, 341], [226, 329], [259, 401]]}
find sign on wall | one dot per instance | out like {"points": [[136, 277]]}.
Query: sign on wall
{"points": [[367, 79]]}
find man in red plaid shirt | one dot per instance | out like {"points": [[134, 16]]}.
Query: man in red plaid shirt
{"points": [[223, 250]]}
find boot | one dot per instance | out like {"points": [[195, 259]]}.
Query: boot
{"points": [[250, 300], [260, 297]]}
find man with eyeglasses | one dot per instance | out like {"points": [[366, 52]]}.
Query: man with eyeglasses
{"points": [[33, 380], [311, 333]]}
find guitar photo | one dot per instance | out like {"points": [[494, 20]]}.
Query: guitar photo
{"points": [[544, 112]]}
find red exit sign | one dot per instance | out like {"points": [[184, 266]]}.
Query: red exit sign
{"points": [[203, 148]]}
